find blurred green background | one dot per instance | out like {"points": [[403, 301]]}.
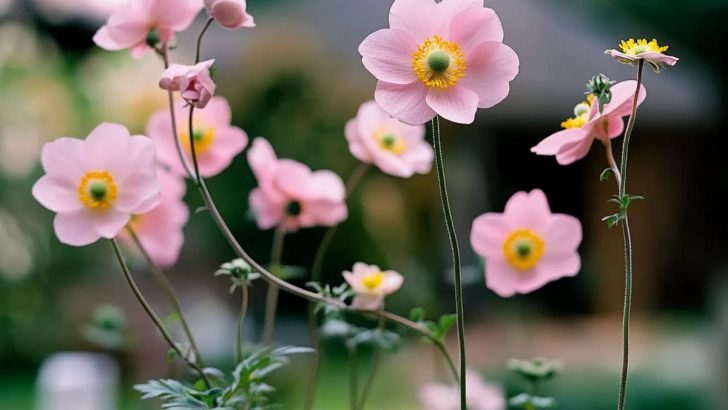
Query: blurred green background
{"points": [[296, 79]]}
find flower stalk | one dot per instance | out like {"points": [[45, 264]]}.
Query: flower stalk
{"points": [[455, 249], [271, 299]]}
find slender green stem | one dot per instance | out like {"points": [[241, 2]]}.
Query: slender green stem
{"points": [[450, 362], [199, 39], [150, 312], [316, 269], [168, 290], [353, 376], [627, 237], [612, 163], [241, 321], [454, 247], [271, 299], [376, 359]]}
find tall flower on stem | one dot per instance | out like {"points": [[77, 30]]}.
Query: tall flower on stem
{"points": [[588, 124], [444, 58], [193, 82], [642, 50], [526, 246], [371, 285], [94, 186], [143, 24]]}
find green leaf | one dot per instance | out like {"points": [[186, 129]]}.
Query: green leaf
{"points": [[417, 314], [604, 176], [445, 323], [612, 220]]}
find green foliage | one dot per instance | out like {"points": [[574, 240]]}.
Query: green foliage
{"points": [[107, 328], [438, 330], [600, 87], [239, 272], [245, 388], [526, 401], [341, 293], [623, 202], [535, 370], [604, 176]]}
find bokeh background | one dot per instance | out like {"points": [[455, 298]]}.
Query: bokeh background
{"points": [[296, 79]]}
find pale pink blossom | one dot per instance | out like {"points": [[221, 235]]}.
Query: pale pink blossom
{"points": [[588, 124], [193, 82], [393, 146], [480, 395], [371, 285], [160, 230], [444, 58], [217, 142], [130, 26], [526, 246], [94, 186], [290, 195], [649, 51], [230, 14]]}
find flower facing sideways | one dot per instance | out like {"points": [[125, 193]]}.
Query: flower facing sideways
{"points": [[292, 196], [526, 246], [160, 230], [193, 82], [94, 186], [371, 285], [395, 147], [142, 23], [444, 58], [230, 14], [649, 51], [216, 141], [480, 395], [574, 141]]}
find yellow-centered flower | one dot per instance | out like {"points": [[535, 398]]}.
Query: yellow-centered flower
{"points": [[389, 141], [373, 281], [581, 114], [439, 63], [203, 137], [97, 190], [641, 46], [523, 249]]}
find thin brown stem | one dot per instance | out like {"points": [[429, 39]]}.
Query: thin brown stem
{"points": [[199, 39], [612, 163], [150, 312], [378, 353], [163, 281]]}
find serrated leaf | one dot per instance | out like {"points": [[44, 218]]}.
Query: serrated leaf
{"points": [[612, 220], [604, 176]]}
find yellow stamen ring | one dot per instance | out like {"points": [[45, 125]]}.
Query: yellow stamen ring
{"points": [[97, 190], [523, 249], [438, 63]]}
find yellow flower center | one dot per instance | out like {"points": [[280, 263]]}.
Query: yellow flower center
{"points": [[389, 141], [641, 46], [523, 249], [373, 281], [581, 114], [438, 63], [203, 138], [97, 190]]}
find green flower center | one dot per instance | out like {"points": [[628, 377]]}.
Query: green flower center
{"points": [[438, 61], [97, 190], [293, 208]]}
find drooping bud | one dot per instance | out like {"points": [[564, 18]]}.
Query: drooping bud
{"points": [[153, 37], [600, 87]]}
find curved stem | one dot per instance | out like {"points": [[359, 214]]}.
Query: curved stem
{"points": [[150, 312], [612, 163], [353, 376], [199, 39], [166, 286], [271, 299], [282, 284], [454, 247], [241, 321], [627, 237], [378, 353]]}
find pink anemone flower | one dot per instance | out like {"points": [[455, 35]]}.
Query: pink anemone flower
{"points": [[371, 285], [290, 195], [444, 59], [480, 395], [574, 141], [94, 186], [145, 22], [394, 147], [526, 246], [230, 14], [161, 230], [217, 142], [649, 51], [193, 82]]}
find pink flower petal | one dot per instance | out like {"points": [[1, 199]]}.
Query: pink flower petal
{"points": [[106, 149], [555, 143], [418, 18], [107, 223], [491, 67], [74, 228], [622, 99], [404, 102], [56, 194], [62, 158], [488, 233], [457, 104], [475, 25], [387, 54], [563, 234], [528, 210]]}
